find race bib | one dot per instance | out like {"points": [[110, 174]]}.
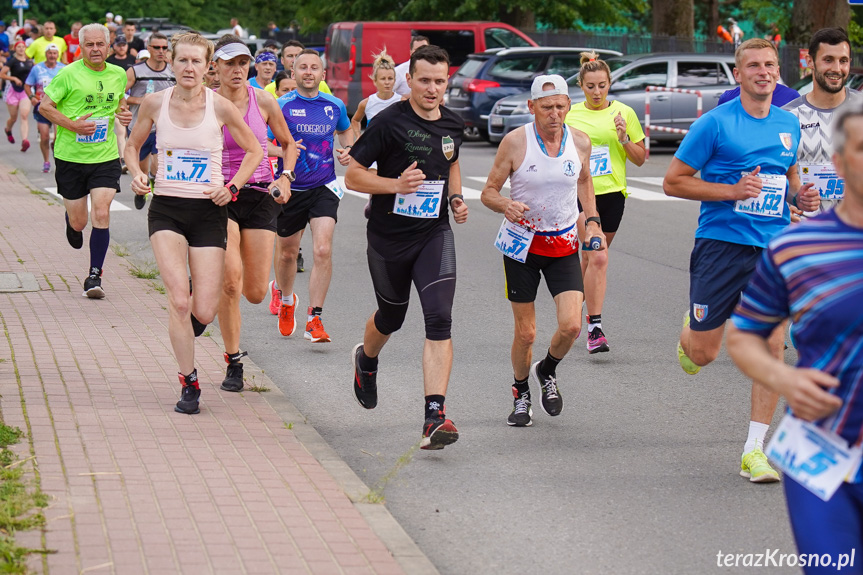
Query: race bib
{"points": [[770, 202], [823, 176], [817, 459], [100, 135], [191, 166], [600, 161], [513, 240], [274, 166], [424, 203], [334, 188]]}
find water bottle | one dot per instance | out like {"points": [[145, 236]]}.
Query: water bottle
{"points": [[151, 87], [594, 244], [275, 192]]}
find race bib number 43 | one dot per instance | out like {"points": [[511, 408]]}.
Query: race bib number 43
{"points": [[770, 202], [823, 176], [192, 166], [424, 203], [100, 135]]}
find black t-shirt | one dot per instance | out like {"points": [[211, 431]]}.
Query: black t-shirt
{"points": [[395, 139], [136, 44], [124, 63], [20, 70]]}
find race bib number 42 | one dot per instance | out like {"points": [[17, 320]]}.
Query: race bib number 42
{"points": [[424, 203], [100, 135], [770, 202], [192, 166], [823, 176]]}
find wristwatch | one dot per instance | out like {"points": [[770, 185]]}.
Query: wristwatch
{"points": [[290, 174], [593, 219], [626, 141], [234, 192]]}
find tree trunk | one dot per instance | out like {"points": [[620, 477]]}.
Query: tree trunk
{"points": [[809, 16], [517, 17], [673, 18], [712, 9]]}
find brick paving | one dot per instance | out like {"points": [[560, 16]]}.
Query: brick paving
{"points": [[134, 486]]}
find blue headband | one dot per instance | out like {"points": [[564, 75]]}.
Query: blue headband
{"points": [[265, 57]]}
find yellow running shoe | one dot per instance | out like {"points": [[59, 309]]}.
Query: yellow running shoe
{"points": [[687, 364], [755, 466]]}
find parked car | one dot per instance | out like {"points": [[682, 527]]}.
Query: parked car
{"points": [[489, 76], [351, 47], [854, 82], [709, 73]]}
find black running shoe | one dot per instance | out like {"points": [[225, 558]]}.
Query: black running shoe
{"points": [[75, 238], [365, 382], [190, 395], [438, 432], [197, 327], [140, 202], [522, 412], [93, 285], [552, 402], [233, 377], [301, 265]]}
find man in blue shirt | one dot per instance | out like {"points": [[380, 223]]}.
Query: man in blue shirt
{"points": [[813, 272], [313, 118], [34, 86], [744, 150]]}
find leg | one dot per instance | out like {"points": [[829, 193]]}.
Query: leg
{"points": [[522, 343], [373, 340], [44, 140], [207, 265], [286, 261], [100, 236], [10, 121], [171, 252], [437, 365], [702, 347], [595, 268], [256, 247], [322, 241], [76, 211], [568, 306], [24, 107], [229, 302]]}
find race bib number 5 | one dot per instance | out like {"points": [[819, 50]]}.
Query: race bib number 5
{"points": [[424, 203], [770, 202], [191, 166], [100, 135]]}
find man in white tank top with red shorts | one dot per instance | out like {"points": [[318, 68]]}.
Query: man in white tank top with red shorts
{"points": [[548, 166]]}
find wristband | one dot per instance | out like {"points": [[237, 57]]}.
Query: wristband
{"points": [[593, 219], [455, 196], [234, 192], [626, 141]]}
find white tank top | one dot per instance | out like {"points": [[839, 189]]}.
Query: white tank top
{"points": [[375, 105], [190, 159], [548, 187]]}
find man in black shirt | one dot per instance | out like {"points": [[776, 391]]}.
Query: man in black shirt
{"points": [[418, 179], [135, 43], [121, 56]]}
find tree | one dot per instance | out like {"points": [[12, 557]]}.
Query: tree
{"points": [[808, 16], [673, 18]]}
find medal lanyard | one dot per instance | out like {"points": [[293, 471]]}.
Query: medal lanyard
{"points": [[542, 145]]}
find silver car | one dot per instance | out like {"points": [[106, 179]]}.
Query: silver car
{"points": [[709, 73]]}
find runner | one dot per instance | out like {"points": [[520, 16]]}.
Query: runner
{"points": [[616, 136], [16, 71], [401, 86], [73, 51], [122, 58], [383, 75], [745, 151], [85, 151], [38, 79], [829, 58], [252, 216], [313, 119], [188, 215], [284, 83], [36, 50], [812, 273], [265, 66], [409, 234], [152, 75], [135, 43], [548, 166], [290, 50]]}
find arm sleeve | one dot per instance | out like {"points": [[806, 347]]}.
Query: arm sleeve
{"points": [[764, 303], [344, 120], [31, 77], [698, 145]]}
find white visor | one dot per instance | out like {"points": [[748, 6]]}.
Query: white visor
{"points": [[231, 51]]}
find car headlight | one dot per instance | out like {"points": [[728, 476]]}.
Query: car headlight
{"points": [[521, 109]]}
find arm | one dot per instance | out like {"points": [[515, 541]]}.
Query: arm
{"points": [[288, 150], [802, 387], [4, 74], [346, 139], [680, 182], [359, 178], [357, 120], [80, 126], [130, 81], [511, 148], [456, 200], [586, 194], [146, 118], [635, 152], [803, 196]]}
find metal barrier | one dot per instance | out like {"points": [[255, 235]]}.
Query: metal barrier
{"points": [[648, 125]]}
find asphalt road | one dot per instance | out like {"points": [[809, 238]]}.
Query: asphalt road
{"points": [[639, 474]]}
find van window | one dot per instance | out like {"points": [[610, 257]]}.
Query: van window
{"points": [[694, 74], [340, 45], [457, 43], [503, 38], [470, 68], [517, 69]]}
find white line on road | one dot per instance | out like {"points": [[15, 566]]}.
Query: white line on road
{"points": [[115, 205]]}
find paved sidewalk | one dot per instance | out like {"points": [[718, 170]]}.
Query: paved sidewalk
{"points": [[136, 487]]}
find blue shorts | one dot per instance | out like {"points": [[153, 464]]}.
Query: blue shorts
{"points": [[718, 273], [39, 117], [834, 527], [147, 148]]}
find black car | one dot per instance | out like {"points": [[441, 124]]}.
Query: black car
{"points": [[488, 76]]}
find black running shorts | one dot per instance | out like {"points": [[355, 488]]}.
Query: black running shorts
{"points": [[75, 180], [201, 222], [306, 205], [522, 279], [255, 209], [610, 209]]}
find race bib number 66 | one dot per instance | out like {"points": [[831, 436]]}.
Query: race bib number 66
{"points": [[100, 135]]}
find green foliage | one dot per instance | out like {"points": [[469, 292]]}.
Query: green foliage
{"points": [[762, 14]]}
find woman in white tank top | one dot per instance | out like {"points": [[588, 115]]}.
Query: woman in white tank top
{"points": [[384, 77], [188, 218]]}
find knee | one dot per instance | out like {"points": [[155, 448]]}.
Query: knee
{"points": [[231, 285], [323, 251], [701, 354], [101, 216], [571, 328], [255, 293], [390, 321], [78, 223], [525, 336], [180, 306], [598, 260], [438, 326], [288, 254]]}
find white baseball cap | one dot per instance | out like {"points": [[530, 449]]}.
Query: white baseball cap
{"points": [[560, 87]]}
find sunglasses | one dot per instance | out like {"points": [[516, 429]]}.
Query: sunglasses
{"points": [[158, 47]]}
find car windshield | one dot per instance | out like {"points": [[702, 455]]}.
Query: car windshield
{"points": [[613, 64], [470, 68]]}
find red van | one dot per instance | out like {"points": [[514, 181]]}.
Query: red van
{"points": [[350, 46]]}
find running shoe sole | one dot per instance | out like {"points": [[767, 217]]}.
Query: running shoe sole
{"points": [[309, 337], [445, 434], [95, 292], [599, 349]]}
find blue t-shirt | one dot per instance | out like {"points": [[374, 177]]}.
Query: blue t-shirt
{"points": [[40, 77], [813, 273], [4, 42], [254, 83], [727, 141], [781, 95], [314, 121]]}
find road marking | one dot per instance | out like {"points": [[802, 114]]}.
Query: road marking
{"points": [[649, 196], [115, 205], [649, 180]]}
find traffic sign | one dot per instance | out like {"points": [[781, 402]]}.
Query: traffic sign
{"points": [[22, 4]]}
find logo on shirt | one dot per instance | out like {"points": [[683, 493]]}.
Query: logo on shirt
{"points": [[110, 96], [532, 168], [328, 110], [812, 125], [298, 113], [569, 168], [699, 312], [99, 86], [448, 147], [785, 138]]}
